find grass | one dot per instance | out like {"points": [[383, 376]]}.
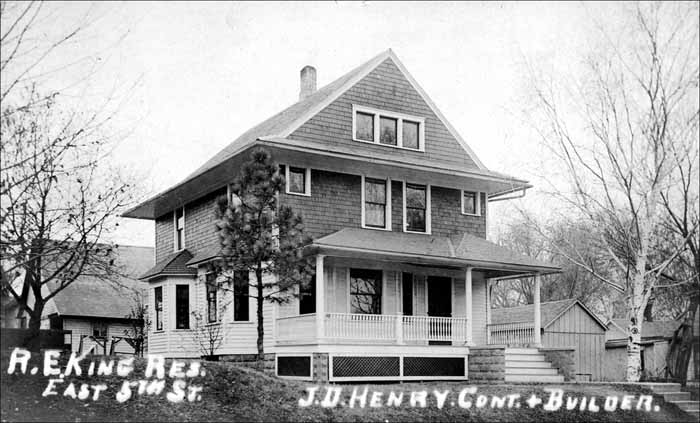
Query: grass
{"points": [[236, 394]]}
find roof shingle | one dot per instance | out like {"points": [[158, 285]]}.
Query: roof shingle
{"points": [[173, 264]]}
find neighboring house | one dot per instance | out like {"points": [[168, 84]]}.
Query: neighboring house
{"points": [[96, 310], [397, 204], [656, 338], [566, 324]]}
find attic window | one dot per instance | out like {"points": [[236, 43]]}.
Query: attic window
{"points": [[391, 129]]}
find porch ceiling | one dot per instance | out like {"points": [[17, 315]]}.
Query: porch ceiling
{"points": [[459, 251]]}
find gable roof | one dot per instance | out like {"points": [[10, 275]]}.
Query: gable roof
{"points": [[174, 264], [91, 296], [460, 249], [550, 311], [279, 127]]}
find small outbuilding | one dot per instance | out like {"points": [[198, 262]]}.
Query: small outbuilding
{"points": [[565, 324]]}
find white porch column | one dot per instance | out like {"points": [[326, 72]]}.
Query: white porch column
{"points": [[489, 283], [536, 300], [469, 307], [320, 298]]}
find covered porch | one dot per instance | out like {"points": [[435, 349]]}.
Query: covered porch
{"points": [[379, 288]]}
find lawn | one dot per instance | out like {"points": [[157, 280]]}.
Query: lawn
{"points": [[235, 394]]}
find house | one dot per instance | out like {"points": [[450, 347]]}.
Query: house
{"points": [[656, 338], [96, 310], [566, 325], [397, 204]]}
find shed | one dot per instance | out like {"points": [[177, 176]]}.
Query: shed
{"points": [[565, 323]]}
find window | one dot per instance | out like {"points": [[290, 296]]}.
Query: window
{"points": [[375, 203], [298, 180], [470, 203], [417, 208], [182, 306], [365, 291], [307, 297], [407, 294], [240, 297], [99, 329], [410, 134], [388, 128], [179, 217], [158, 293], [364, 126], [211, 298]]}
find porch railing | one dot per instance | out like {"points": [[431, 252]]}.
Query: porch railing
{"points": [[374, 327], [519, 333]]}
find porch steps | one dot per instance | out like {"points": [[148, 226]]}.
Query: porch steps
{"points": [[529, 365], [672, 394]]}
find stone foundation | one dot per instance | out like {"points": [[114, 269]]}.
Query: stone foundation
{"points": [[487, 364], [564, 359], [251, 361]]}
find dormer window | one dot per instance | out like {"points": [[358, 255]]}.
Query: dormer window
{"points": [[298, 180], [471, 204], [388, 128]]}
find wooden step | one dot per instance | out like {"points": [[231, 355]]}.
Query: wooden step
{"points": [[662, 387], [534, 378], [694, 414], [524, 357], [533, 351], [676, 396], [531, 371], [687, 405]]}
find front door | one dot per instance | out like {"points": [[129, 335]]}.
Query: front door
{"points": [[439, 305]]}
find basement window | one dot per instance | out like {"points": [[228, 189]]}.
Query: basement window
{"points": [[387, 128]]}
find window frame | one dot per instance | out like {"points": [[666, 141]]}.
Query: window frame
{"points": [[210, 285], [175, 230], [158, 311], [477, 202], [379, 294], [387, 211], [399, 117], [245, 296], [428, 214], [307, 180], [177, 309], [99, 325]]}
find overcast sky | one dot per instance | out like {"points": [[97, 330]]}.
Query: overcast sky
{"points": [[203, 73]]}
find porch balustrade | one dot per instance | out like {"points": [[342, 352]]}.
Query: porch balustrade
{"points": [[514, 334], [374, 327]]}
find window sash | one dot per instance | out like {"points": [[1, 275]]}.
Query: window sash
{"points": [[375, 202], [410, 131], [212, 312], [469, 201], [364, 132], [388, 130], [182, 306], [241, 312], [159, 307], [296, 185], [416, 208], [365, 291]]}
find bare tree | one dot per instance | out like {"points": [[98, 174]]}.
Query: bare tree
{"points": [[137, 333], [616, 137]]}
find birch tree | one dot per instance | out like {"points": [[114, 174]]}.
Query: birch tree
{"points": [[615, 130]]}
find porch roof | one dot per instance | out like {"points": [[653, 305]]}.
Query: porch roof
{"points": [[460, 250]]}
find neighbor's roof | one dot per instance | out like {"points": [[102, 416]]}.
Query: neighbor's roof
{"points": [[174, 264], [549, 312], [91, 296], [461, 249], [278, 128], [651, 330]]}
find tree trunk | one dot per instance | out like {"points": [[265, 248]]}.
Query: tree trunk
{"points": [[32, 341], [261, 329], [634, 337]]}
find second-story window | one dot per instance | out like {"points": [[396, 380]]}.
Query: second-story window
{"points": [[388, 128], [298, 180], [179, 218], [182, 306], [211, 298], [470, 203], [376, 203], [417, 208]]}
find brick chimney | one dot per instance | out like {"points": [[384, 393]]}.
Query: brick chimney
{"points": [[307, 82]]}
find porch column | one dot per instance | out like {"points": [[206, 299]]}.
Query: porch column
{"points": [[489, 283], [536, 300], [468, 298], [320, 298]]}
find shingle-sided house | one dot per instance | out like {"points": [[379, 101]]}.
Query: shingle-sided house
{"points": [[398, 206]]}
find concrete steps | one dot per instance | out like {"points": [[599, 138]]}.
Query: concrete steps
{"points": [[672, 393], [529, 365]]}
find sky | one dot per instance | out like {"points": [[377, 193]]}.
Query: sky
{"points": [[192, 76]]}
